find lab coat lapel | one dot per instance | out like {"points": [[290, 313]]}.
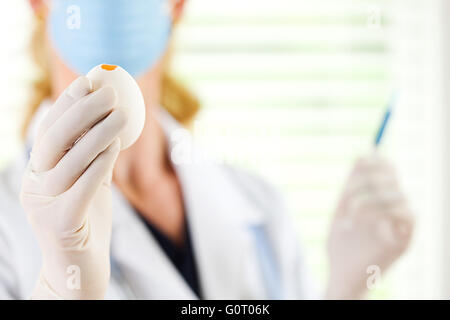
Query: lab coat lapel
{"points": [[222, 244], [138, 262], [219, 218]]}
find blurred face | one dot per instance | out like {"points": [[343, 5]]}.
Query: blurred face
{"points": [[133, 34]]}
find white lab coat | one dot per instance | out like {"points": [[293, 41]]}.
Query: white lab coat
{"points": [[244, 243]]}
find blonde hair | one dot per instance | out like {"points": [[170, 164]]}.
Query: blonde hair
{"points": [[175, 98]]}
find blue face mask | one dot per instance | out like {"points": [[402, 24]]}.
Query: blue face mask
{"points": [[130, 33]]}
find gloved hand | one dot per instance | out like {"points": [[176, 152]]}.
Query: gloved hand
{"points": [[372, 227], [66, 191]]}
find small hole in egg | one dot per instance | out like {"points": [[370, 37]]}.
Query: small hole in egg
{"points": [[108, 67]]}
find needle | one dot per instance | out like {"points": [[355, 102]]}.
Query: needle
{"points": [[387, 116]]}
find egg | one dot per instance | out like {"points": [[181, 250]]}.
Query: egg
{"points": [[129, 97]]}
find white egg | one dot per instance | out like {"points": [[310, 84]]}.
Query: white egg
{"points": [[129, 97]]}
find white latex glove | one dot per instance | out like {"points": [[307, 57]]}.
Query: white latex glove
{"points": [[66, 191], [372, 227]]}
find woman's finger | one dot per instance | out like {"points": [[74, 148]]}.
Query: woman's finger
{"points": [[384, 200], [74, 163], [70, 126], [79, 88], [84, 189], [373, 182]]}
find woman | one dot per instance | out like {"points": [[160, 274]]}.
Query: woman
{"points": [[142, 223]]}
